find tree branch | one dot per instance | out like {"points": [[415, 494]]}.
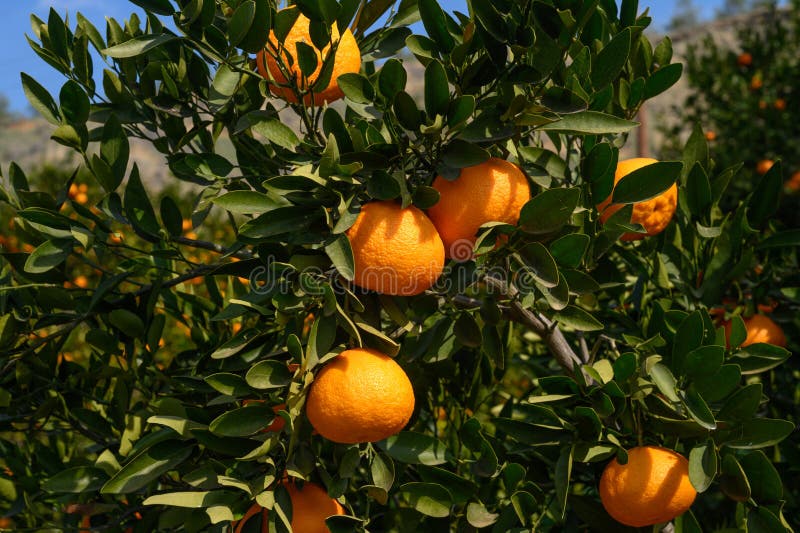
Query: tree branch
{"points": [[240, 254]]}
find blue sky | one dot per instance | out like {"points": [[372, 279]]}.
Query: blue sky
{"points": [[17, 55]]}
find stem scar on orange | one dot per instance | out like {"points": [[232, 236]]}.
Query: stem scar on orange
{"points": [[396, 250], [347, 59], [492, 191], [654, 214], [362, 395], [651, 488]]}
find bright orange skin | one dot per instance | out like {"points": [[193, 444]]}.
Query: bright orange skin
{"points": [[654, 214], [396, 251], [652, 488], [493, 191], [348, 60], [745, 59], [311, 505], [760, 328], [763, 166], [711, 135], [362, 395]]}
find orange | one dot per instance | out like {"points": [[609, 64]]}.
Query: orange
{"points": [[311, 505], [492, 191], [711, 135], [73, 190], [745, 59], [362, 395], [780, 104], [793, 183], [756, 82], [347, 60], [653, 214], [760, 328], [396, 251], [764, 165], [186, 225], [81, 198], [116, 237], [81, 281], [278, 423], [652, 488]]}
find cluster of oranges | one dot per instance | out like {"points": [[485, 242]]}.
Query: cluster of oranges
{"points": [[78, 193]]}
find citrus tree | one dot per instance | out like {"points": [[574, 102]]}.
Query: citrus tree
{"points": [[450, 308]]}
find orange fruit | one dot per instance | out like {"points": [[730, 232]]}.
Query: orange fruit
{"points": [[760, 328], [492, 191], [396, 250], [780, 104], [311, 505], [745, 59], [653, 214], [81, 198], [116, 237], [73, 190], [764, 165], [347, 60], [191, 235], [793, 183], [653, 487], [81, 281], [362, 395], [756, 82], [186, 225], [710, 135], [278, 423]]}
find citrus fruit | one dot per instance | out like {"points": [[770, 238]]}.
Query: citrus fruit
{"points": [[793, 183], [653, 487], [362, 395], [756, 82], [492, 191], [780, 104], [763, 166], [346, 60], [653, 214], [745, 59], [760, 328], [396, 250], [710, 135], [311, 505]]}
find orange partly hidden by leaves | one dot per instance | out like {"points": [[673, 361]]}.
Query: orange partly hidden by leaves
{"points": [[763, 166], [793, 183], [362, 395], [347, 60], [745, 59], [396, 251], [653, 214], [492, 191], [653, 487], [311, 505], [760, 328], [756, 82]]}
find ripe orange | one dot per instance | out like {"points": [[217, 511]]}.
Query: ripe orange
{"points": [[396, 251], [278, 423], [73, 190], [81, 198], [710, 135], [116, 237], [186, 225], [764, 165], [653, 487], [362, 395], [311, 505], [745, 59], [81, 282], [760, 328], [780, 104], [653, 214], [756, 82], [793, 183], [347, 60], [492, 191]]}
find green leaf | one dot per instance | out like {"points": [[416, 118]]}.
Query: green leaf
{"points": [[193, 500], [148, 466], [461, 154], [783, 239], [759, 433], [646, 182], [435, 22], [563, 473], [539, 264], [698, 191], [609, 62], [171, 216], [765, 482], [742, 405], [78, 480], [40, 99], [698, 408], [127, 322], [278, 221], [74, 103], [569, 250], [665, 381], [138, 45], [246, 202], [244, 421], [763, 204], [357, 88], [241, 22], [228, 384], [392, 79], [576, 318], [159, 7], [479, 516], [704, 361], [138, 207], [47, 256], [696, 151], [415, 448], [268, 375], [437, 90], [549, 211], [762, 520], [429, 499], [256, 37], [341, 254], [759, 357], [703, 465], [589, 123], [274, 131], [662, 79], [491, 20], [738, 332], [688, 337], [733, 481], [115, 151]]}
